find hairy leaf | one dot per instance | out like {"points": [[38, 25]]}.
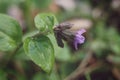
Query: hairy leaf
{"points": [[10, 33], [40, 51], [45, 21]]}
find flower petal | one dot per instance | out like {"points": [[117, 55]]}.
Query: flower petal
{"points": [[79, 38], [81, 31], [76, 45]]}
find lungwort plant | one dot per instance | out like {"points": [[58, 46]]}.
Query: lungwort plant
{"points": [[38, 46]]}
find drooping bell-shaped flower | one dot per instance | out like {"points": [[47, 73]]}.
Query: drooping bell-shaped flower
{"points": [[63, 32]]}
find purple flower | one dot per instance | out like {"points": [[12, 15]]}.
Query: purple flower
{"points": [[79, 38], [63, 31]]}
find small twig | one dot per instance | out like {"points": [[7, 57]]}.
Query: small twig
{"points": [[18, 67], [81, 67], [86, 70]]}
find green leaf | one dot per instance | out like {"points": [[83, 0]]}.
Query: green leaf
{"points": [[10, 33], [40, 51], [45, 21], [29, 34]]}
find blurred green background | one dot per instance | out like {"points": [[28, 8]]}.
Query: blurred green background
{"points": [[101, 19]]}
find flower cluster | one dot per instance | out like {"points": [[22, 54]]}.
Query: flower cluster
{"points": [[63, 32]]}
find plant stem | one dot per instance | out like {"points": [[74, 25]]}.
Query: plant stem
{"points": [[7, 60], [28, 14], [80, 68]]}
